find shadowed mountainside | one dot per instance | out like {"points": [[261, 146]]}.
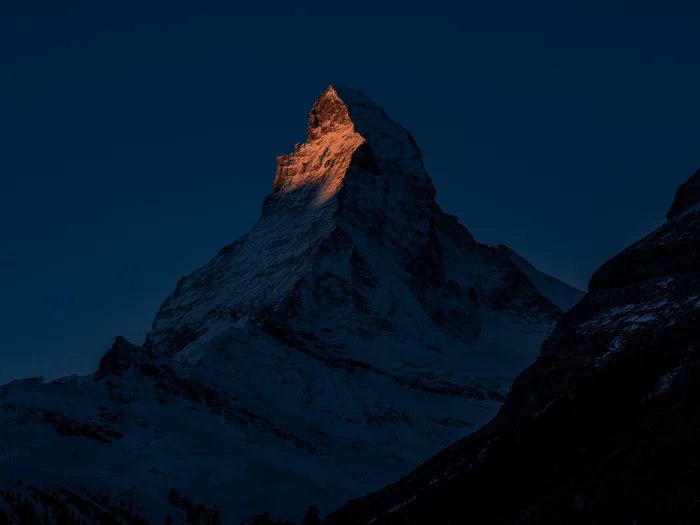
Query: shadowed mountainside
{"points": [[603, 428]]}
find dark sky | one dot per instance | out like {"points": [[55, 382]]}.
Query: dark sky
{"points": [[136, 141]]}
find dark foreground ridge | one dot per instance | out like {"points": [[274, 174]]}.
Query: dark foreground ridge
{"points": [[604, 427]]}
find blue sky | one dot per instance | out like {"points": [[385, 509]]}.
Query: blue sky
{"points": [[135, 141]]}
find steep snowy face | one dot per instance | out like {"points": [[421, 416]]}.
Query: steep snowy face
{"points": [[359, 177]]}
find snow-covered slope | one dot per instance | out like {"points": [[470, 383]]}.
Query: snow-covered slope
{"points": [[356, 330]]}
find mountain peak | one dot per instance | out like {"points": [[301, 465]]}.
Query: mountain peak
{"points": [[349, 95], [352, 210], [341, 106], [348, 135]]}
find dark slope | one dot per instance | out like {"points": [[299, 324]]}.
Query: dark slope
{"points": [[604, 427]]}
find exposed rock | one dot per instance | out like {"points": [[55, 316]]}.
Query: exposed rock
{"points": [[687, 196], [119, 358]]}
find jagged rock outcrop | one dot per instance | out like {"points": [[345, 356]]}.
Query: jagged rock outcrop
{"points": [[603, 428], [687, 196], [671, 249], [356, 330], [118, 359]]}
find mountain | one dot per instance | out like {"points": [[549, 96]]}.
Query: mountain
{"points": [[603, 428], [356, 330]]}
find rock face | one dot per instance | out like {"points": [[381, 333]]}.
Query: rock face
{"points": [[603, 428], [687, 196], [118, 359], [356, 330]]}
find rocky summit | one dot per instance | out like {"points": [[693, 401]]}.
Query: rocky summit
{"points": [[603, 428], [354, 332]]}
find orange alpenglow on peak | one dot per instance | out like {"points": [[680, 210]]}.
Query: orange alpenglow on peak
{"points": [[346, 128], [321, 162]]}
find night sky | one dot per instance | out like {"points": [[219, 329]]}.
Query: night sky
{"points": [[137, 141]]}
